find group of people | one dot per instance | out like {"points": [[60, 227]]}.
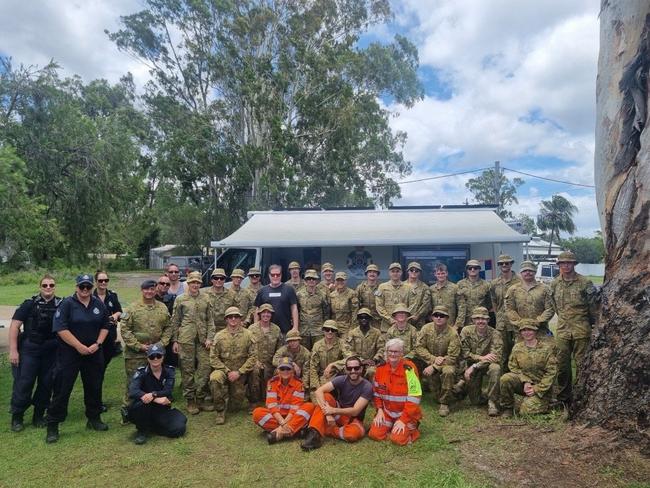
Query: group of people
{"points": [[314, 352]]}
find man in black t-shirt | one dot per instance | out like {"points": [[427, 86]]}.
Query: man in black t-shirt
{"points": [[283, 299]]}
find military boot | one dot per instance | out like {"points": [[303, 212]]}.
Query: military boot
{"points": [[459, 387], [52, 433], [96, 424], [507, 413], [17, 422], [206, 406], [493, 411], [192, 408], [221, 417], [443, 411], [38, 418], [312, 441]]}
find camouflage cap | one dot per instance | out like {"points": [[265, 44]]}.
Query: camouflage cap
{"points": [[528, 265], [232, 311], [294, 265], [400, 307], [364, 311], [528, 324], [567, 257], [341, 276], [414, 264], [311, 273], [472, 262], [504, 258], [237, 273], [286, 363], [219, 272], [266, 307], [254, 271], [327, 267], [441, 309], [394, 266], [480, 312], [330, 324], [293, 335], [372, 267], [194, 277]]}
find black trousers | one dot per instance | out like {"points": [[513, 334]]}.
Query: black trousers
{"points": [[158, 419], [36, 365], [69, 363]]}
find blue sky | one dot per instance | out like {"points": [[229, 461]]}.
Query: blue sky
{"points": [[504, 80]]}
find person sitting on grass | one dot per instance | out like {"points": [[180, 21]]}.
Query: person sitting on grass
{"points": [[150, 391]]}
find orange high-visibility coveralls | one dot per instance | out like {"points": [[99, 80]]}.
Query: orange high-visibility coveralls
{"points": [[284, 399], [349, 429], [399, 400]]}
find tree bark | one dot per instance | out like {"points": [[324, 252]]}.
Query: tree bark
{"points": [[614, 391]]}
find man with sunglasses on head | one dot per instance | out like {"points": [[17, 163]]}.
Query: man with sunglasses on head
{"points": [[475, 290], [282, 298], [144, 323], [167, 299], [81, 323], [176, 287], [420, 296], [32, 353], [341, 405], [220, 297]]}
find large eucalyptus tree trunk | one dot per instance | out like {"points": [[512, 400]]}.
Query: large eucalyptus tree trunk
{"points": [[614, 392]]}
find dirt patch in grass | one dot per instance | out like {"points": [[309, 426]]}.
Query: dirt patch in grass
{"points": [[553, 454]]}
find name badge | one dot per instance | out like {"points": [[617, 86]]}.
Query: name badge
{"points": [[275, 294]]}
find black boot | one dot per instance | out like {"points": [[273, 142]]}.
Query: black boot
{"points": [[312, 441], [17, 422], [140, 438], [96, 424], [38, 419], [52, 433]]}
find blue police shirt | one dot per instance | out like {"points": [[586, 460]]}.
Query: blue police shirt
{"points": [[83, 322]]}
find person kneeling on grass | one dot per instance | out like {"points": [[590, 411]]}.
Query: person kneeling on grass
{"points": [[286, 412], [341, 417], [150, 391]]}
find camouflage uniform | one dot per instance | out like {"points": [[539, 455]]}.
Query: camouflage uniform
{"points": [[476, 294], [450, 297], [296, 286], [420, 304], [367, 346], [432, 343], [241, 299], [474, 346], [301, 358], [321, 355], [220, 302], [536, 365], [141, 325], [192, 324], [249, 314], [409, 336], [314, 310], [267, 343], [498, 291], [389, 295], [574, 303], [530, 303], [231, 351], [325, 288], [344, 309], [367, 297]]}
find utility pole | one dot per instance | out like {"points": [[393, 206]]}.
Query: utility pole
{"points": [[497, 181]]}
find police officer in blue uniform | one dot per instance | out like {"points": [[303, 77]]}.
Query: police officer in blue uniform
{"points": [[150, 391], [81, 323], [32, 353]]}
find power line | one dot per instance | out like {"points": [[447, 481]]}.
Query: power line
{"points": [[550, 179], [441, 176]]}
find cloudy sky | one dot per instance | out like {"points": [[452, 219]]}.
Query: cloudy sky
{"points": [[505, 80]]}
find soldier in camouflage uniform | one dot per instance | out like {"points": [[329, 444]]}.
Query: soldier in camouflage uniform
{"points": [[390, 294], [298, 353], [420, 296], [474, 289], [439, 347], [314, 309], [481, 350], [143, 323], [345, 305], [219, 297], [232, 357], [294, 276], [268, 339], [327, 358], [574, 302], [401, 329], [498, 289], [254, 285], [239, 297], [367, 292], [192, 332], [446, 293], [366, 343], [327, 285], [533, 368]]}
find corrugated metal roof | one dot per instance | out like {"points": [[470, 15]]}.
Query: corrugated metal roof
{"points": [[331, 228]]}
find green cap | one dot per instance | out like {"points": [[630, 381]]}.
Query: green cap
{"points": [[480, 312], [528, 324], [567, 257], [528, 265], [194, 277], [441, 309]]}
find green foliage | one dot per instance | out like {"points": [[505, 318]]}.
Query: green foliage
{"points": [[493, 187], [587, 249], [528, 224], [555, 216]]}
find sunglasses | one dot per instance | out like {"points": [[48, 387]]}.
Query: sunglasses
{"points": [[254, 276], [85, 287], [156, 356], [48, 285], [218, 278], [285, 369], [354, 368], [310, 279], [103, 281], [473, 267], [505, 264], [164, 283], [173, 272], [275, 275], [327, 329], [438, 315]]}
